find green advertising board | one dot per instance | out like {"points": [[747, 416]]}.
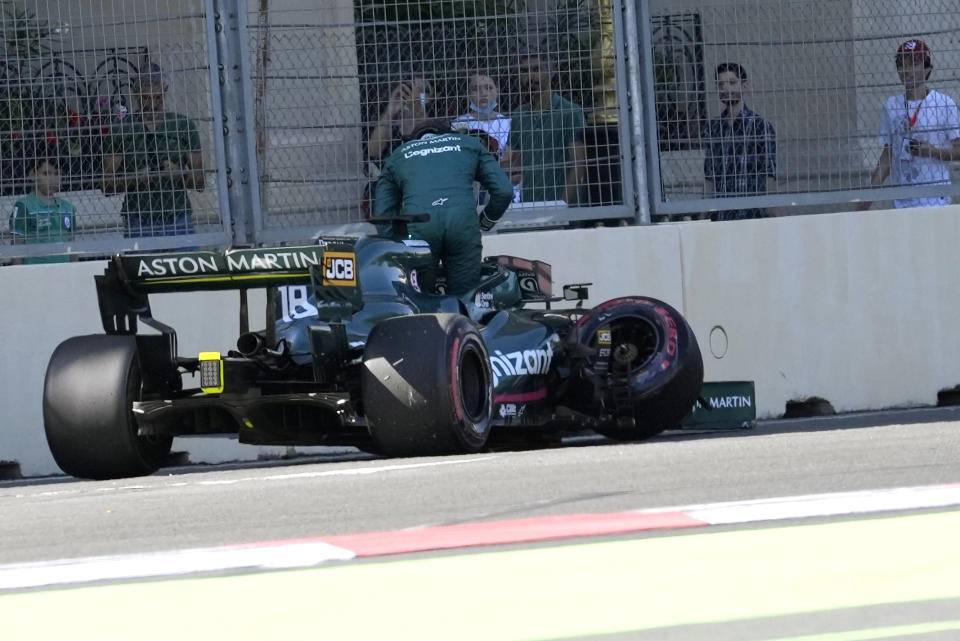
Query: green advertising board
{"points": [[729, 405]]}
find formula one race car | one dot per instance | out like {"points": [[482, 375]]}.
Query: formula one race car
{"points": [[362, 352]]}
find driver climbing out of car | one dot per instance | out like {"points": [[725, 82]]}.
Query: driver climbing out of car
{"points": [[433, 173]]}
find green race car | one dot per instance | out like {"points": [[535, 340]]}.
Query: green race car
{"points": [[362, 351]]}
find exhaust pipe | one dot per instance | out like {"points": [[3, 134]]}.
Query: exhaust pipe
{"points": [[251, 344], [254, 344]]}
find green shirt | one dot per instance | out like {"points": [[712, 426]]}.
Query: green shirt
{"points": [[542, 138], [174, 138], [435, 176], [37, 221]]}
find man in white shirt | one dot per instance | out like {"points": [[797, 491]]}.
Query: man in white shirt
{"points": [[919, 130]]}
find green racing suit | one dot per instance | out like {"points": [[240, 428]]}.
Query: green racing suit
{"points": [[434, 175]]}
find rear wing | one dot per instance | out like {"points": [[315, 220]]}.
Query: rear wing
{"points": [[210, 270], [123, 288]]}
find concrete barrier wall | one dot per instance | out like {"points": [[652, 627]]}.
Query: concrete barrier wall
{"points": [[45, 304], [858, 309]]}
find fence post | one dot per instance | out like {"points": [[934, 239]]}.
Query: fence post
{"points": [[242, 173], [637, 44]]}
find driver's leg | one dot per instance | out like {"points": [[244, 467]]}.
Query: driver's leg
{"points": [[462, 252], [432, 232]]}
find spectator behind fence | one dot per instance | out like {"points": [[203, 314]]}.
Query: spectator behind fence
{"points": [[408, 106], [154, 157], [484, 94], [547, 131], [741, 147], [41, 217], [919, 130]]}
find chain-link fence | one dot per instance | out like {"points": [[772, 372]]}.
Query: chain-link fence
{"points": [[779, 106], [152, 126], [253, 121], [335, 93], [105, 126]]}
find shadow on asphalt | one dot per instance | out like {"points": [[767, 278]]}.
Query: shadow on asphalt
{"points": [[853, 420]]}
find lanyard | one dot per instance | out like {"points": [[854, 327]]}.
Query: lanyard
{"points": [[912, 120]]}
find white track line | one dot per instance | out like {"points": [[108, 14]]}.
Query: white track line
{"points": [[834, 504], [305, 553], [163, 483], [180, 562]]}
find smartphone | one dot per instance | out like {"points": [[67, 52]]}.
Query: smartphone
{"points": [[905, 148]]}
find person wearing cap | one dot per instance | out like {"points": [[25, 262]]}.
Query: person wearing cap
{"points": [[919, 130], [433, 173], [741, 147], [153, 157]]}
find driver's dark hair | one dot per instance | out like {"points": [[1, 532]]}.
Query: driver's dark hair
{"points": [[731, 67], [432, 126]]}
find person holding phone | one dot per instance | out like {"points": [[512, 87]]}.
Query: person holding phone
{"points": [[407, 107], [919, 130], [409, 104]]}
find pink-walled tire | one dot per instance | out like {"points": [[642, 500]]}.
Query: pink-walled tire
{"points": [[427, 386], [661, 365]]}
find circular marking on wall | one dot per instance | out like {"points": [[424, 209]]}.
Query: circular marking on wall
{"points": [[718, 342]]}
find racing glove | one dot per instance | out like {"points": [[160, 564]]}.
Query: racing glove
{"points": [[486, 224]]}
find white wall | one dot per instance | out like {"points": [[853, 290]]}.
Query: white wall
{"points": [[859, 309], [855, 308], [46, 304]]}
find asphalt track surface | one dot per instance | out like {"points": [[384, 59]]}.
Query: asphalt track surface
{"points": [[869, 569]]}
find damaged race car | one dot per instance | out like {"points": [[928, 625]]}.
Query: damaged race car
{"points": [[359, 349]]}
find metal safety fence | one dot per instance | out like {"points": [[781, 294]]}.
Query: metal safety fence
{"points": [[825, 89], [336, 93], [145, 124], [106, 127], [198, 122]]}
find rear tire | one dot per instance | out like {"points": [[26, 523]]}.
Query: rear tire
{"points": [[662, 369], [90, 385], [427, 387]]}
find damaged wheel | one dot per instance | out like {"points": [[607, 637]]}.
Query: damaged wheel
{"points": [[646, 369]]}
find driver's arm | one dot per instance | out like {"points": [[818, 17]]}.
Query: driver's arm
{"points": [[495, 180]]}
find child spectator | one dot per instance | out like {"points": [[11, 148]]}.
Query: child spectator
{"points": [[41, 217]]}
